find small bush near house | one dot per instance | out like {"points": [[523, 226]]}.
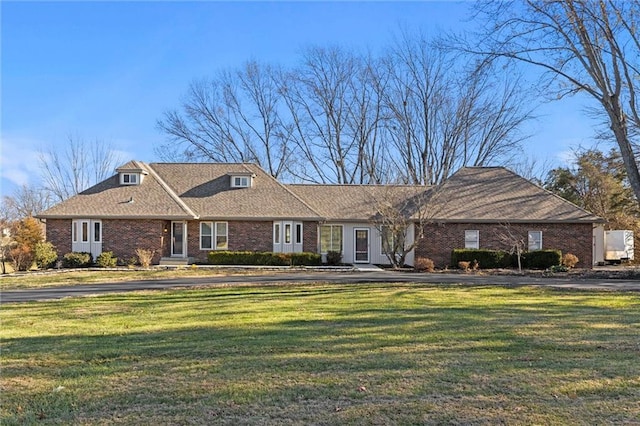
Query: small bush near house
{"points": [[145, 257], [570, 260], [46, 255], [464, 265], [21, 258], [305, 259], [334, 258], [541, 259], [77, 260], [485, 258], [262, 258], [424, 264], [106, 259]]}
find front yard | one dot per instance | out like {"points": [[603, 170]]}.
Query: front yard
{"points": [[324, 354]]}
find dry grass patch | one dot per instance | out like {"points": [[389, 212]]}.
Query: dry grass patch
{"points": [[324, 354]]}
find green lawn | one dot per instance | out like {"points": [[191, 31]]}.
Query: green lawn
{"points": [[53, 278], [324, 354]]}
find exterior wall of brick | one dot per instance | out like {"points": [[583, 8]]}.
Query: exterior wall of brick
{"points": [[440, 239], [310, 237], [59, 234], [124, 236], [248, 235]]}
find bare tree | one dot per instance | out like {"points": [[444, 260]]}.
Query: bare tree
{"points": [[70, 170], [445, 114], [401, 209], [515, 243], [234, 117], [26, 201], [589, 47], [334, 101]]}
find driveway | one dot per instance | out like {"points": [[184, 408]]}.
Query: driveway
{"points": [[52, 293]]}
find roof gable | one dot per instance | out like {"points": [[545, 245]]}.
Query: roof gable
{"points": [[496, 194]]}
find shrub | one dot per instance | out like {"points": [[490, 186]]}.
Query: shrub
{"points": [[305, 258], [334, 258], [570, 260], [106, 259], [484, 258], [262, 258], [45, 255], [541, 259], [77, 260], [424, 264], [145, 257], [21, 257], [464, 265], [559, 268]]}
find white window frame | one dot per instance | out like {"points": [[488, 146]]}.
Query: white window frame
{"points": [[213, 226], [225, 235], [534, 243], [129, 178], [210, 235], [332, 227], [383, 230], [472, 239], [240, 181], [287, 233], [277, 232]]}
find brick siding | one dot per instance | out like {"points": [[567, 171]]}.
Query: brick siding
{"points": [[310, 237], [124, 236], [59, 234], [440, 239]]}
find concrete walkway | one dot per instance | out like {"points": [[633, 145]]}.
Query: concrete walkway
{"points": [[52, 293]]}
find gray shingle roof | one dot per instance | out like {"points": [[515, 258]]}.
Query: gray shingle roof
{"points": [[206, 189], [495, 194], [353, 202], [109, 199], [203, 190]]}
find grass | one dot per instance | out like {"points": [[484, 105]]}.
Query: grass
{"points": [[53, 278], [324, 354]]}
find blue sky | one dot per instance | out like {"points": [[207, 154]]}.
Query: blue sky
{"points": [[108, 70]]}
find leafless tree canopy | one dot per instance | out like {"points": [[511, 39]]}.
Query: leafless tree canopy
{"points": [[589, 47], [414, 114], [71, 169]]}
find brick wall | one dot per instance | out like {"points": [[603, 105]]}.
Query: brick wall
{"points": [[59, 234], [124, 236], [310, 237], [440, 239]]}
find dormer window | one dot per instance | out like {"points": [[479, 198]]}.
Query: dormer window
{"points": [[129, 178], [244, 180], [240, 181]]}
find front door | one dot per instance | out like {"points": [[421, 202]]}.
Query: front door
{"points": [[178, 237], [361, 245], [86, 236]]}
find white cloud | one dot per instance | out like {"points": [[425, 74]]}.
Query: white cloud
{"points": [[19, 160]]}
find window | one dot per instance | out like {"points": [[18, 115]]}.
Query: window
{"points": [[287, 233], [330, 238], [239, 181], [276, 233], [386, 237], [213, 231], [206, 236], [222, 238], [129, 178], [472, 239], [97, 232], [535, 240], [74, 232], [298, 233], [84, 232]]}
